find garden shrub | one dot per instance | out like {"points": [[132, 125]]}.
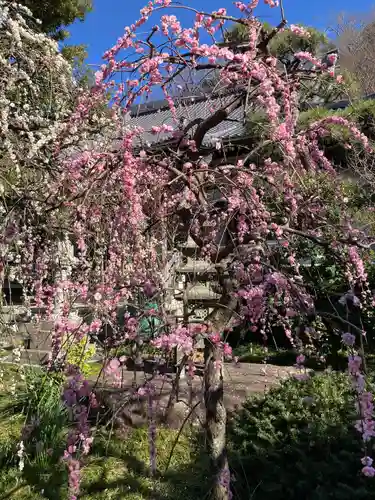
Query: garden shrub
{"points": [[299, 442], [80, 354], [39, 401]]}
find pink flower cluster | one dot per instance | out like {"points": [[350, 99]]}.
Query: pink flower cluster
{"points": [[215, 338], [162, 128], [185, 337], [253, 4], [365, 402], [359, 274], [300, 31], [172, 23], [307, 56], [332, 59], [113, 369], [111, 196], [272, 3], [181, 337], [64, 327], [79, 439], [343, 122], [246, 7], [255, 299], [366, 425]]}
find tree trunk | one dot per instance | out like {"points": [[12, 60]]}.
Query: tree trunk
{"points": [[216, 415], [216, 419]]}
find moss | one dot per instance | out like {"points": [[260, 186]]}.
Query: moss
{"points": [[117, 467]]}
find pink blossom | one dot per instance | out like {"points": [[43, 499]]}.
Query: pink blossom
{"points": [[120, 206], [133, 83], [368, 471], [99, 77], [332, 58], [95, 325], [299, 30], [272, 3], [112, 368], [367, 461], [215, 338], [360, 273], [181, 337], [300, 359], [348, 339], [306, 56], [227, 350]]}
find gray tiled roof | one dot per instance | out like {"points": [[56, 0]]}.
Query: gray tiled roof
{"points": [[188, 109]]}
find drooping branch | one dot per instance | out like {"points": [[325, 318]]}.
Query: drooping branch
{"points": [[212, 121]]}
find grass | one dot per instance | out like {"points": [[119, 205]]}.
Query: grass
{"points": [[116, 468]]}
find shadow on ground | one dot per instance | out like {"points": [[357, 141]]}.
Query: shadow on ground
{"points": [[117, 468]]}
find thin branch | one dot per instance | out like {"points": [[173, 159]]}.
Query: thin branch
{"points": [[325, 243], [237, 20]]}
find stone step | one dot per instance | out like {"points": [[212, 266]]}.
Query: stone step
{"points": [[37, 356], [34, 356], [44, 326], [28, 356], [11, 340], [39, 339]]}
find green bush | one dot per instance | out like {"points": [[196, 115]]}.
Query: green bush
{"points": [[80, 354], [38, 400], [298, 442]]}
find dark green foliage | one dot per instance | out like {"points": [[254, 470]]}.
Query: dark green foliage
{"points": [[361, 113], [285, 42], [298, 442], [57, 14], [77, 55]]}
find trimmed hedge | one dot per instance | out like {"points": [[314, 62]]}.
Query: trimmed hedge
{"points": [[298, 442]]}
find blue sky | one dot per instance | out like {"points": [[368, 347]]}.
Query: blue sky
{"points": [[106, 23]]}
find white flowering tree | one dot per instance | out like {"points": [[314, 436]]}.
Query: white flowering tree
{"points": [[36, 90], [39, 102], [66, 174]]}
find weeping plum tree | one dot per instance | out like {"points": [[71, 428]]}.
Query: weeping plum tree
{"points": [[119, 201]]}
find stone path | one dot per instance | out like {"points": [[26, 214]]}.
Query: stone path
{"points": [[241, 381], [126, 407]]}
